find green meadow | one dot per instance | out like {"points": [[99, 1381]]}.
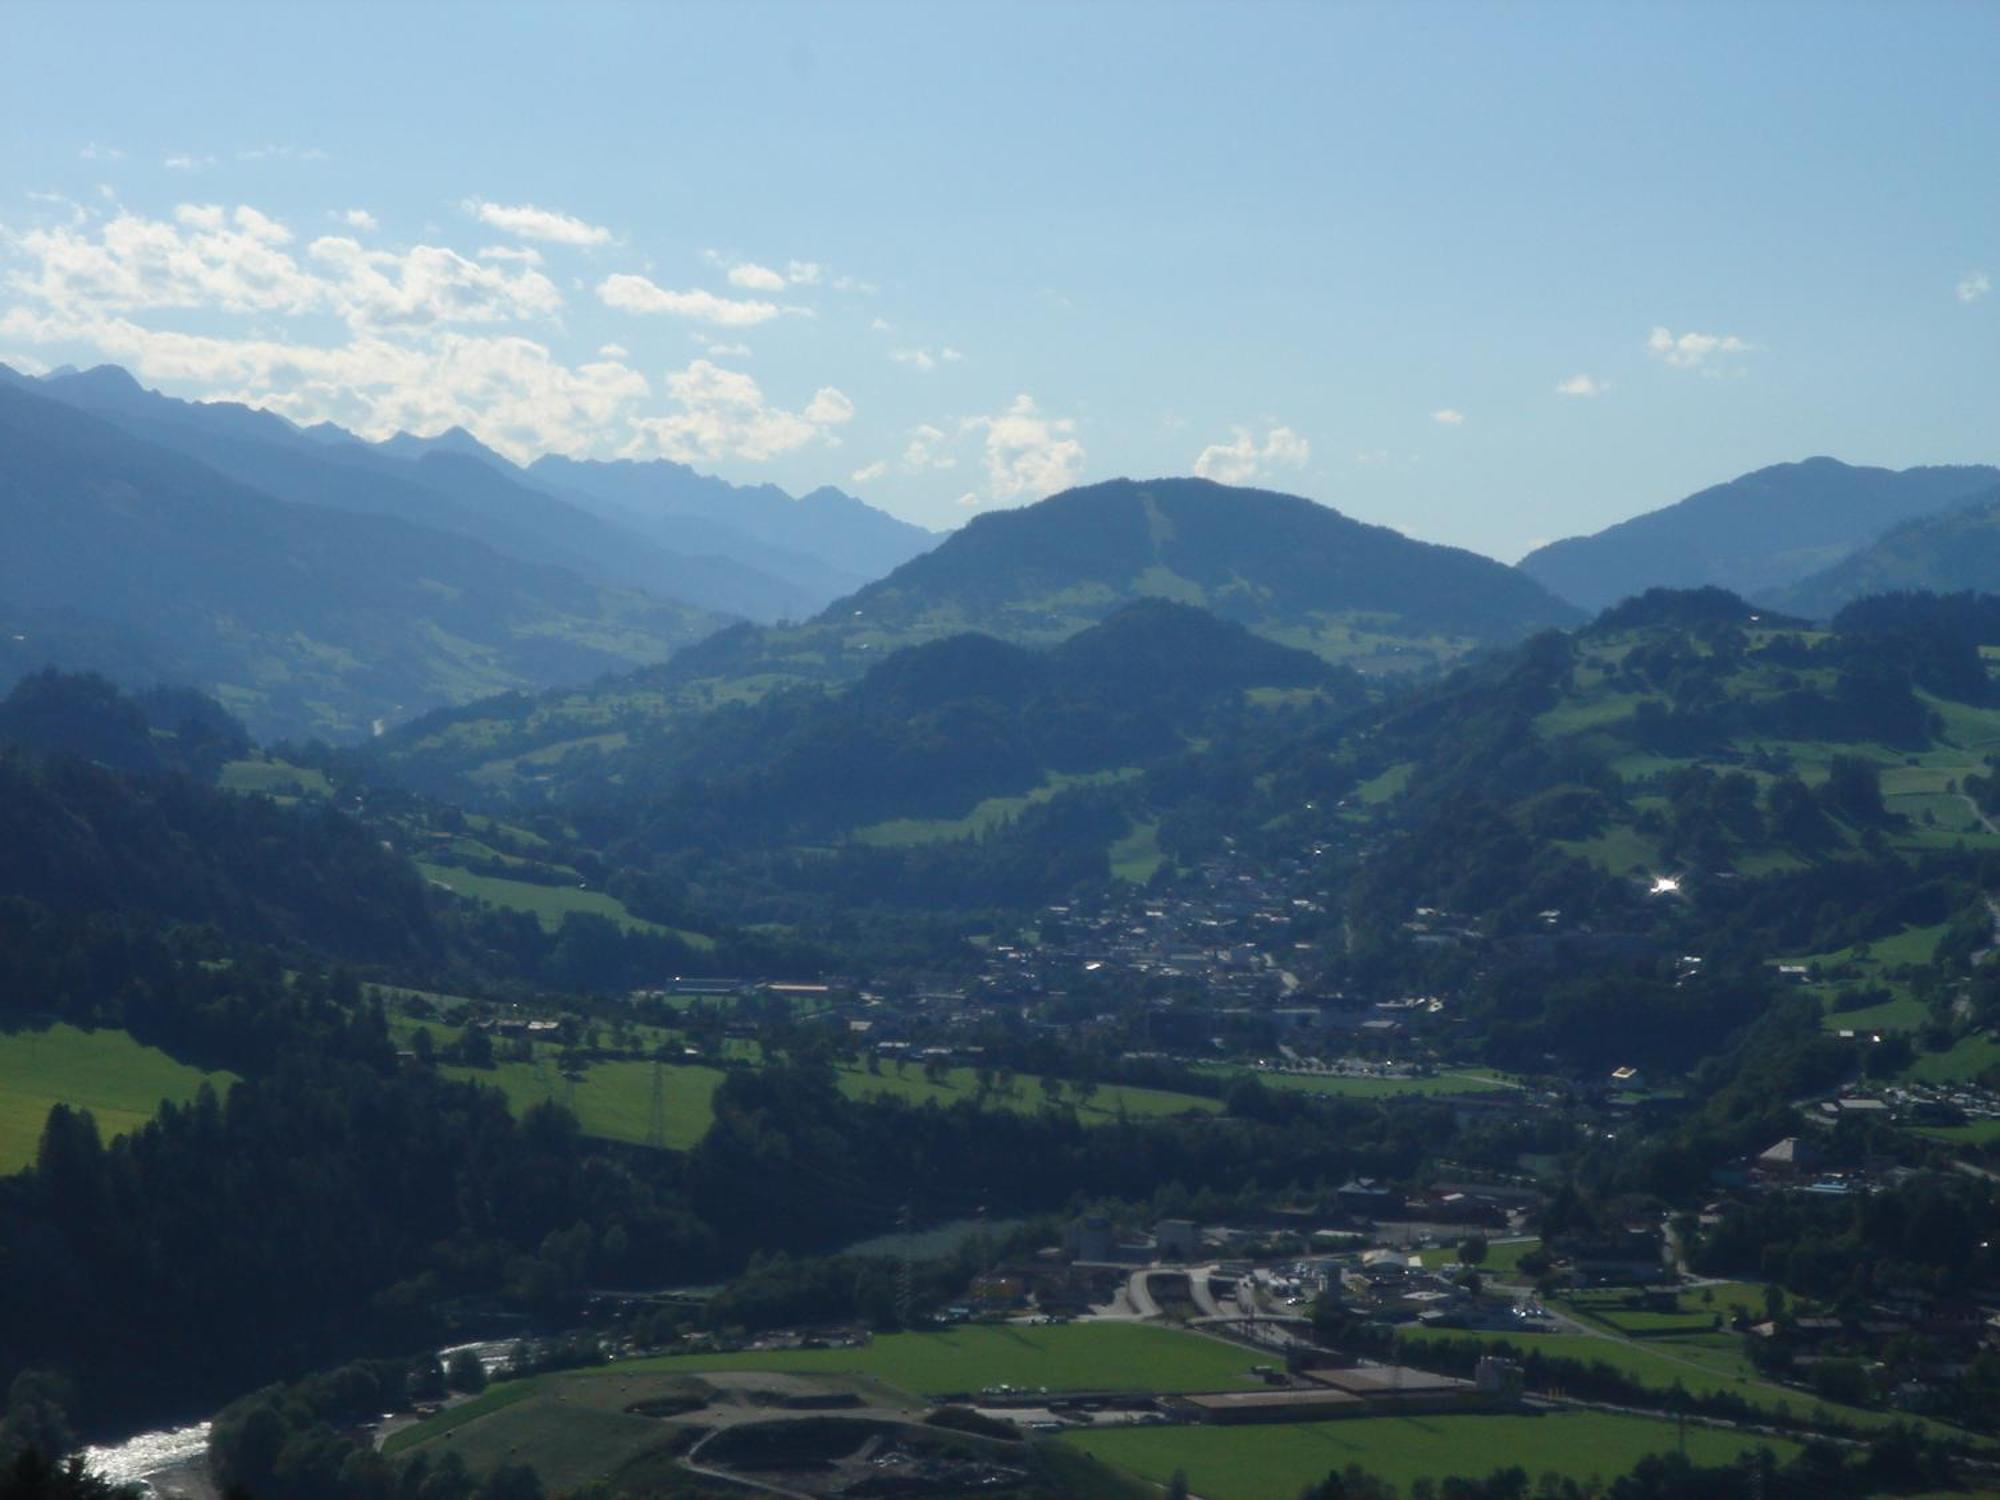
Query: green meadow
{"points": [[120, 1082], [549, 904], [959, 1084], [613, 1100], [1256, 1463]]}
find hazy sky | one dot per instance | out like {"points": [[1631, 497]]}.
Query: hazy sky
{"points": [[1492, 274]]}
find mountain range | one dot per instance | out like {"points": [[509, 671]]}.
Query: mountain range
{"points": [[1758, 535], [323, 585], [749, 551], [303, 619]]}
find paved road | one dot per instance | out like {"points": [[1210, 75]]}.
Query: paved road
{"points": [[1140, 1296]]}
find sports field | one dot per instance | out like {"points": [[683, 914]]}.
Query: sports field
{"points": [[1060, 1357], [1256, 1463], [120, 1082]]}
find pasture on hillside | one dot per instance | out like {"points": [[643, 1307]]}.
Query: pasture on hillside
{"points": [[613, 1100], [119, 1081], [549, 904]]}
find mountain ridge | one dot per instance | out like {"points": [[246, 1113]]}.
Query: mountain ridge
{"points": [[304, 619], [1755, 535], [1950, 552], [452, 481]]}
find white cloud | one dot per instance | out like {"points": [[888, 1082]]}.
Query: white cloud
{"points": [[854, 284], [869, 472], [755, 278], [923, 359], [929, 448], [428, 285], [203, 258], [78, 213], [637, 294], [723, 414], [1028, 453], [532, 223], [1973, 286], [721, 350], [507, 390], [1706, 352], [523, 255], [183, 161], [281, 153], [95, 152], [1582, 385], [881, 325], [804, 272], [829, 408], [361, 219], [613, 351], [1372, 458], [969, 501], [241, 261], [1446, 416], [1242, 458]]}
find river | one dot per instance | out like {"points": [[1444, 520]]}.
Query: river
{"points": [[171, 1461]]}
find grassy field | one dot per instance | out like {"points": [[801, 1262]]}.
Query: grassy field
{"points": [[275, 778], [1971, 1057], [1062, 1357], [1503, 1257], [1377, 1088], [549, 904], [1136, 857], [613, 1100], [963, 1083], [1703, 1364], [986, 816], [1978, 1133], [1387, 786], [1255, 1463], [106, 1072]]}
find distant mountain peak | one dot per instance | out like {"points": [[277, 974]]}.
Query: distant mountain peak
{"points": [[104, 381], [1286, 566], [453, 440]]}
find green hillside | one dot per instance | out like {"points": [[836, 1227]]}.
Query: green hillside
{"points": [[1957, 549], [119, 1081]]}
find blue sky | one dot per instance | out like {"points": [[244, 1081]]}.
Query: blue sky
{"points": [[1492, 274]]}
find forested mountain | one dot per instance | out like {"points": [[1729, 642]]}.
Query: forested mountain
{"points": [[1756, 535], [1947, 553], [1286, 567], [302, 618], [104, 808], [450, 484], [928, 732]]}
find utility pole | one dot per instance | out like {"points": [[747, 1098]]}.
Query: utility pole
{"points": [[906, 1289], [656, 1115]]}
